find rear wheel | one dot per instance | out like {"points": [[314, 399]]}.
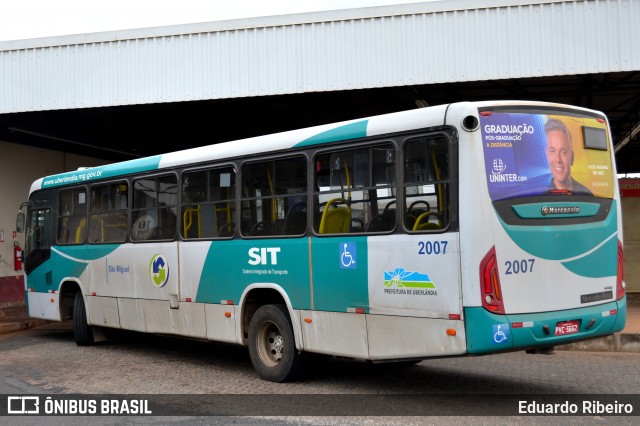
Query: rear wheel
{"points": [[82, 331], [272, 347]]}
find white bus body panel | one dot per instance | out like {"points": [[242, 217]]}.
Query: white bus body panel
{"points": [[132, 314], [392, 337], [550, 287], [335, 333], [192, 258], [219, 326], [44, 305], [156, 316], [127, 272], [429, 261], [102, 311]]}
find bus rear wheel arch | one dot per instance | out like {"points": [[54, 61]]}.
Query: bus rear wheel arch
{"points": [[272, 346], [68, 291]]}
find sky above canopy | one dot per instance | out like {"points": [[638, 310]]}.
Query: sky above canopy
{"points": [[22, 19]]}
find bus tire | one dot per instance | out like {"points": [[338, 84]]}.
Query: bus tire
{"points": [[272, 346], [82, 331]]}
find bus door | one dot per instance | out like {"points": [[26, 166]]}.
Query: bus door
{"points": [[38, 267]]}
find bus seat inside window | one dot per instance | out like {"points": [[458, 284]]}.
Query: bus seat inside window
{"points": [[426, 184]]}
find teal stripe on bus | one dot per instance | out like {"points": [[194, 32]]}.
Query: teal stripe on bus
{"points": [[65, 262], [340, 285], [102, 172], [597, 264], [50, 273], [566, 241], [231, 266], [88, 252], [484, 336], [348, 131]]}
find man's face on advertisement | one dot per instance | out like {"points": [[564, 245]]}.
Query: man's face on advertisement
{"points": [[560, 158]]}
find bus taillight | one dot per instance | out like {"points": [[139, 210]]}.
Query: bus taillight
{"points": [[490, 280], [620, 280]]}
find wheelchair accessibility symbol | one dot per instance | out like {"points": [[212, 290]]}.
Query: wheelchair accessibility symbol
{"points": [[348, 255], [501, 333]]}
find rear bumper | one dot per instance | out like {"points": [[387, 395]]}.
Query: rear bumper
{"points": [[487, 332]]}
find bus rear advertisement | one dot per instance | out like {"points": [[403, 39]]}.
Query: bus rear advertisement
{"points": [[460, 229]]}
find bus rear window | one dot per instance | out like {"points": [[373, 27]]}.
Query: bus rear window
{"points": [[534, 154]]}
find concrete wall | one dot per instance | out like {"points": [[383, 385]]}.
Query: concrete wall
{"points": [[19, 166], [631, 229]]}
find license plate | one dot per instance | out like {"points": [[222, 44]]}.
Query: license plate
{"points": [[567, 327]]}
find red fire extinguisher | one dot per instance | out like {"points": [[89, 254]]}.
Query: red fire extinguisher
{"points": [[17, 256]]}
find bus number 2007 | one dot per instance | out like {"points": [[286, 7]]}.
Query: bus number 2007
{"points": [[432, 247], [519, 266]]}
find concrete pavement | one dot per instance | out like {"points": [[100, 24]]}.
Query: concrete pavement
{"points": [[13, 318]]}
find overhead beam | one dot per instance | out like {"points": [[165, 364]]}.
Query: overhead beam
{"points": [[634, 131]]}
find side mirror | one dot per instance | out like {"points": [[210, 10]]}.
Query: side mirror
{"points": [[20, 222]]}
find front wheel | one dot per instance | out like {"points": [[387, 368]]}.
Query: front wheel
{"points": [[272, 347], [82, 331]]}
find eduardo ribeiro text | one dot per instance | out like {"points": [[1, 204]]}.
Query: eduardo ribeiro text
{"points": [[566, 407]]}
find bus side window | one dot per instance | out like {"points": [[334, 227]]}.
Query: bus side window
{"points": [[383, 211], [355, 190], [155, 204], [109, 216], [274, 197], [208, 203], [426, 184], [72, 216]]}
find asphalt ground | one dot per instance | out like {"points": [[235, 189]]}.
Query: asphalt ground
{"points": [[13, 318]]}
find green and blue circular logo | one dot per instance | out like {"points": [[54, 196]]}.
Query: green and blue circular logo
{"points": [[159, 270]]}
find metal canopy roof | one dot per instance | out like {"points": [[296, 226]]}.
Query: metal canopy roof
{"points": [[121, 94]]}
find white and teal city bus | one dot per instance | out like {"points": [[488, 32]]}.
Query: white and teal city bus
{"points": [[461, 229]]}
